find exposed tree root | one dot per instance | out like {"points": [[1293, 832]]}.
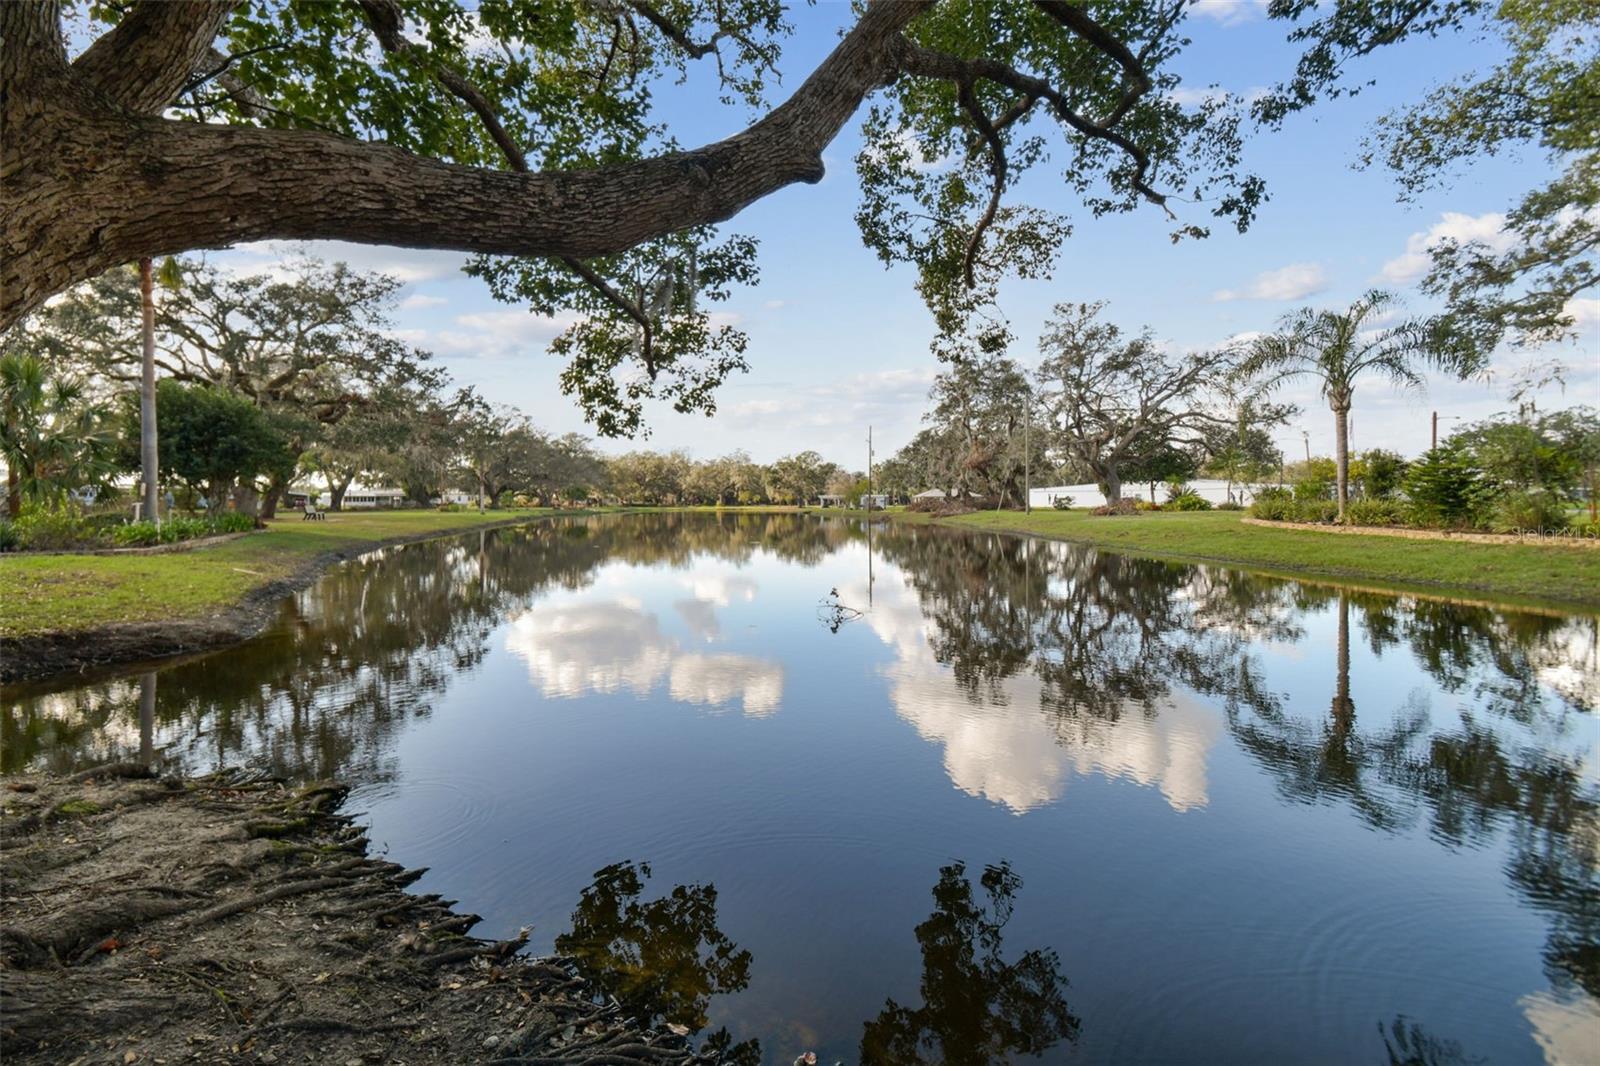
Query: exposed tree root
{"points": [[232, 918]]}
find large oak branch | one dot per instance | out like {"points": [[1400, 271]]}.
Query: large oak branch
{"points": [[89, 189]]}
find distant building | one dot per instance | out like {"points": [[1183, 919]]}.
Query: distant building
{"points": [[1214, 490], [873, 501], [931, 494], [356, 498]]}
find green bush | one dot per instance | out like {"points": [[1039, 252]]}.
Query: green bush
{"points": [[1377, 512], [1446, 489], [233, 522], [1230, 505], [176, 528], [1273, 505], [53, 527], [9, 540], [136, 535], [451, 508], [1528, 512], [1188, 500], [1316, 511], [1146, 505]]}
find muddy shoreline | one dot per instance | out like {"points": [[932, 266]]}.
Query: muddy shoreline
{"points": [[234, 918], [46, 656]]}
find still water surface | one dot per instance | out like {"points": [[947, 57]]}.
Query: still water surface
{"points": [[914, 795]]}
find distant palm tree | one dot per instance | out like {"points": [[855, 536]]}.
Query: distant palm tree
{"points": [[1337, 348], [51, 436]]}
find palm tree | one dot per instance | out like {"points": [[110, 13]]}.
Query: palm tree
{"points": [[1337, 348], [51, 437]]}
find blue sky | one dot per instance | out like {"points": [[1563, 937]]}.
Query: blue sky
{"points": [[838, 343]]}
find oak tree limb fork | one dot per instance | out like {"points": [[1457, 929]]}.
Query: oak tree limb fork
{"points": [[92, 176]]}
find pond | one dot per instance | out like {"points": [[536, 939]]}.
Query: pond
{"points": [[906, 794]]}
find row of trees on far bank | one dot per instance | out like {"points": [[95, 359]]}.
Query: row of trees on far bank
{"points": [[299, 378], [1112, 408]]}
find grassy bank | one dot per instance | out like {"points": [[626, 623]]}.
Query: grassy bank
{"points": [[41, 594], [64, 593], [1550, 574]]}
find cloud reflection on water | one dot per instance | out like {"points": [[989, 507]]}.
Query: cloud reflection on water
{"points": [[609, 644]]}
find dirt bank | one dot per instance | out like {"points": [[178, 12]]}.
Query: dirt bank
{"points": [[34, 656], [233, 919]]}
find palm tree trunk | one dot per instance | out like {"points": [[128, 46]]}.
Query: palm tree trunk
{"points": [[148, 453], [13, 491], [1344, 708], [1341, 451]]}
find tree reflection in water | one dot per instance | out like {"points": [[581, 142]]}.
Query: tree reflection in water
{"points": [[976, 1008], [663, 959], [1109, 635], [1407, 1044], [369, 647], [1105, 644]]}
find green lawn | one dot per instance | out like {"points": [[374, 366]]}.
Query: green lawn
{"points": [[1550, 574], [48, 593], [55, 593]]}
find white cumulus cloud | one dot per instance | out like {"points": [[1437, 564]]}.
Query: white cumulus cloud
{"points": [[1452, 225], [1228, 12], [1293, 282]]}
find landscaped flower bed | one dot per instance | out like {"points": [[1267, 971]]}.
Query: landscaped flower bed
{"points": [[65, 528]]}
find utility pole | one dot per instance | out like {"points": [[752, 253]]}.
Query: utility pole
{"points": [[148, 455], [1307, 437], [869, 470], [1448, 418]]}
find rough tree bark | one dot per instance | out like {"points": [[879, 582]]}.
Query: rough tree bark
{"points": [[1341, 451], [84, 139]]}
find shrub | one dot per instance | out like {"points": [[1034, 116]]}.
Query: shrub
{"points": [[57, 527], [1446, 489], [1062, 503], [233, 522], [1590, 530], [1146, 505], [9, 541], [1230, 505], [1273, 505], [1384, 473], [1122, 506], [1377, 512], [1188, 500], [1528, 512], [1316, 511], [451, 508], [1309, 489], [136, 535]]}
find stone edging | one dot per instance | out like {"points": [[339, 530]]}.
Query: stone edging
{"points": [[1431, 534]]}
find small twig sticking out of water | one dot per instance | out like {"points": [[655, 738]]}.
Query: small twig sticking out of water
{"points": [[833, 614]]}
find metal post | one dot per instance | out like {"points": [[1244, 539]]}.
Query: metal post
{"points": [[148, 453], [869, 468], [1435, 443], [1027, 488]]}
